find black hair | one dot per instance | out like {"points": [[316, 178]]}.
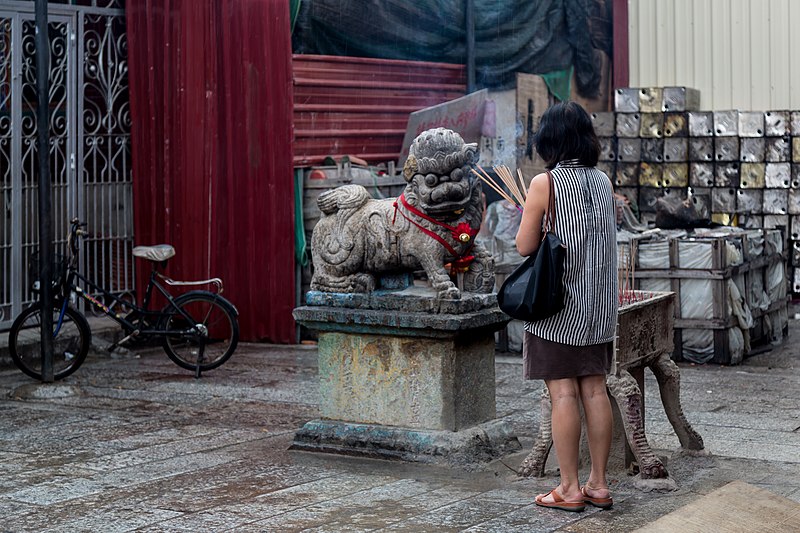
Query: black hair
{"points": [[566, 132]]}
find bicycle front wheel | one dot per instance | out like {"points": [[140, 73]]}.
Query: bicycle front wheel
{"points": [[208, 339], [71, 341]]}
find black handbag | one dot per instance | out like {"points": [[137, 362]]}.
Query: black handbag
{"points": [[535, 290]]}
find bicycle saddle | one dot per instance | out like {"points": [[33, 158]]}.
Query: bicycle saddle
{"points": [[159, 252]]}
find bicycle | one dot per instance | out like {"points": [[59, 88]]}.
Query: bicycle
{"points": [[199, 329]]}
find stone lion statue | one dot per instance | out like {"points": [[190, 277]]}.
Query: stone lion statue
{"points": [[432, 224]]}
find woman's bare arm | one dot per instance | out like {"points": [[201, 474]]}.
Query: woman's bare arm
{"points": [[530, 227]]}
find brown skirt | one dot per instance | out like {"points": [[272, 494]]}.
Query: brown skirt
{"points": [[543, 359]]}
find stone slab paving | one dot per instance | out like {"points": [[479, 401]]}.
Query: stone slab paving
{"points": [[137, 444], [736, 507]]}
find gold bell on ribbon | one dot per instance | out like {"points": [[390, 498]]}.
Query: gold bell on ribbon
{"points": [[464, 237]]}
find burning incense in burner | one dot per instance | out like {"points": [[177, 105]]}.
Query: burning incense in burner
{"points": [[626, 276]]}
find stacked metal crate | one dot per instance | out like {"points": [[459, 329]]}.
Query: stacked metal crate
{"points": [[648, 152], [741, 167], [730, 289]]}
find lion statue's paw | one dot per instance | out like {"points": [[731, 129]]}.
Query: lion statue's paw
{"points": [[450, 293]]}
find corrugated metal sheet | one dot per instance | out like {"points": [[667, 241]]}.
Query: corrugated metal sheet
{"points": [[360, 106], [211, 106], [737, 52]]}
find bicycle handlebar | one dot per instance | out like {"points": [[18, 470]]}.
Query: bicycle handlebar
{"points": [[75, 233]]}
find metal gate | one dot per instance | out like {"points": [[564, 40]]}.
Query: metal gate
{"points": [[89, 142]]}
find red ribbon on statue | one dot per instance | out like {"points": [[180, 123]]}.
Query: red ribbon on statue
{"points": [[461, 264], [462, 233]]}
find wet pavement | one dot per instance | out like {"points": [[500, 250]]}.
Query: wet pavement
{"points": [[137, 444]]}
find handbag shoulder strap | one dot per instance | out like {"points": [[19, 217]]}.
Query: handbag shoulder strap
{"points": [[550, 215]]}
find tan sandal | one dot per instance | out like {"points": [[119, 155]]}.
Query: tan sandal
{"points": [[602, 503], [559, 503]]}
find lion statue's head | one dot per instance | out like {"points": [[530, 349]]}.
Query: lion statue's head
{"points": [[438, 173]]}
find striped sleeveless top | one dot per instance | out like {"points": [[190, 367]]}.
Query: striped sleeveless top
{"points": [[586, 224]]}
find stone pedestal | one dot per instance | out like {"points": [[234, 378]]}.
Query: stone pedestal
{"points": [[406, 375]]}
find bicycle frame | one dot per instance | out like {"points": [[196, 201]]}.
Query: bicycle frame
{"points": [[198, 329], [144, 311], [133, 328]]}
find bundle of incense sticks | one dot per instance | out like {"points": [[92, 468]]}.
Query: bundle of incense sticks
{"points": [[515, 186]]}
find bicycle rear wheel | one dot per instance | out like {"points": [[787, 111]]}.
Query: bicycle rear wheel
{"points": [[208, 339], [70, 342]]}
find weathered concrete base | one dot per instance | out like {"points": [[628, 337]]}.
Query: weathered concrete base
{"points": [[44, 391], [692, 453], [405, 358], [420, 383], [663, 484], [471, 446], [406, 375]]}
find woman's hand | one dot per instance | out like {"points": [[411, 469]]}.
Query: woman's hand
{"points": [[530, 227]]}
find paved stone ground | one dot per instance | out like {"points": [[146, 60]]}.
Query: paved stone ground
{"points": [[136, 443]]}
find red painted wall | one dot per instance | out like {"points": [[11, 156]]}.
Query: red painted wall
{"points": [[621, 60], [211, 105]]}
